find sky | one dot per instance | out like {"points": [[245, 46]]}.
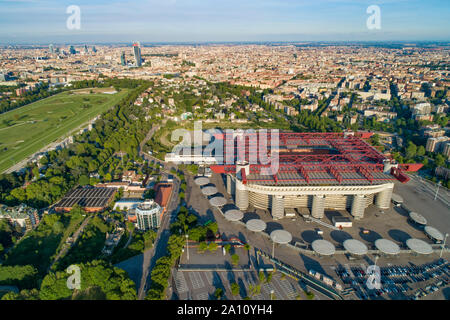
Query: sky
{"points": [[102, 21]]}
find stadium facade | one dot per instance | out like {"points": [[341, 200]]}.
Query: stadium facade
{"points": [[316, 172]]}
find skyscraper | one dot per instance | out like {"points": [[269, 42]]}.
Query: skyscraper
{"points": [[137, 54], [72, 50], [94, 49], [123, 62], [51, 48], [86, 49]]}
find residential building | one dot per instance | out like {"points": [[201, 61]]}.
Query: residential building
{"points": [[148, 215]]}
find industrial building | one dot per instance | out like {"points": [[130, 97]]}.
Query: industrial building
{"points": [[317, 172], [91, 199]]}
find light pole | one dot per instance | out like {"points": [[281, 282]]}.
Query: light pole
{"points": [[273, 249], [187, 247], [437, 190], [271, 294], [443, 245]]}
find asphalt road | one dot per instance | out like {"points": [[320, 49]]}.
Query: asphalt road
{"points": [[417, 199], [432, 189], [159, 248]]}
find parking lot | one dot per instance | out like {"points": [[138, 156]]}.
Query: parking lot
{"points": [[392, 224], [398, 282], [200, 285]]}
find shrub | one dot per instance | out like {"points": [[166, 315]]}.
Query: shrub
{"points": [[234, 289], [202, 247], [235, 259]]}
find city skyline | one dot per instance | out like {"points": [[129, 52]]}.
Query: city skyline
{"points": [[38, 22]]}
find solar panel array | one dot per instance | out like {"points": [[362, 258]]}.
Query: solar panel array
{"points": [[87, 198]]}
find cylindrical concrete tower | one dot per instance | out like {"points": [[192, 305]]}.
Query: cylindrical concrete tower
{"points": [[229, 182], [383, 200], [318, 206], [358, 206], [241, 196], [277, 207]]}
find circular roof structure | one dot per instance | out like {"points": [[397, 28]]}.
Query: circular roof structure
{"points": [[397, 198], [434, 233], [387, 246], [218, 201], [355, 247], [201, 181], [256, 225], [323, 247], [281, 236], [209, 191], [417, 218], [419, 246], [234, 215]]}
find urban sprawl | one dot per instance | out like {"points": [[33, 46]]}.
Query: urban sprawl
{"points": [[95, 174]]}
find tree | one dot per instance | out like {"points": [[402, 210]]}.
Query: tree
{"points": [[235, 259], [247, 246], [227, 248], [202, 247], [43, 161], [421, 151], [130, 226], [411, 150], [98, 279], [36, 172], [269, 277], [218, 293], [440, 160], [84, 180], [212, 247], [261, 276], [254, 289], [32, 294], [234, 289]]}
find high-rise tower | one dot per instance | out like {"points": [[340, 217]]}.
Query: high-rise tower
{"points": [[137, 54]]}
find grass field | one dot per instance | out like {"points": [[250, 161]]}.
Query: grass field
{"points": [[28, 129]]}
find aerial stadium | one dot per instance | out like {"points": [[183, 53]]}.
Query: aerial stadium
{"points": [[316, 172]]}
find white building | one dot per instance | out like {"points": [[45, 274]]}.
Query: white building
{"points": [[148, 215]]}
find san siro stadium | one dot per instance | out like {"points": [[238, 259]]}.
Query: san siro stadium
{"points": [[316, 172]]}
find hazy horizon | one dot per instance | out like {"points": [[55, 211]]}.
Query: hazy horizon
{"points": [[197, 21]]}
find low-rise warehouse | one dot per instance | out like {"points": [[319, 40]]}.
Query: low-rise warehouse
{"points": [[91, 199]]}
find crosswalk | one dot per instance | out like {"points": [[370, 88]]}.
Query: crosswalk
{"points": [[196, 280], [268, 287], [180, 282], [287, 288], [201, 285], [203, 296]]}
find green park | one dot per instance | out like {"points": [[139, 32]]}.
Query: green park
{"points": [[28, 129]]}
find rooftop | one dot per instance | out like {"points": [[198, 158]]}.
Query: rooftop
{"points": [[309, 159], [87, 198]]}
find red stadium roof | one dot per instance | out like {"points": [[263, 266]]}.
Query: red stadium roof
{"points": [[313, 158]]}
